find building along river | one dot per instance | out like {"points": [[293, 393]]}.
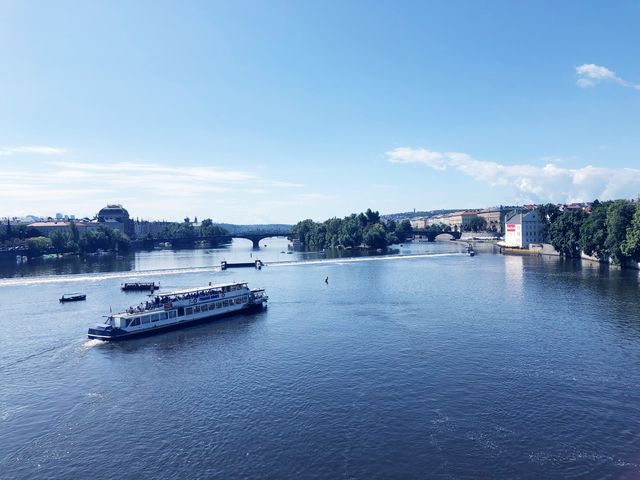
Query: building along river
{"points": [[436, 365]]}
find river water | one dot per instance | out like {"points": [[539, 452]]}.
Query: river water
{"points": [[429, 365]]}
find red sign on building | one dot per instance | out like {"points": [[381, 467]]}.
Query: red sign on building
{"points": [[511, 227]]}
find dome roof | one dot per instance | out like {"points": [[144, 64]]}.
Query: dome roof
{"points": [[111, 210]]}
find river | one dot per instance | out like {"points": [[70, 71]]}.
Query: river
{"points": [[429, 364]]}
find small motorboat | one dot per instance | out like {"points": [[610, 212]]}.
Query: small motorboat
{"points": [[72, 297], [470, 251]]}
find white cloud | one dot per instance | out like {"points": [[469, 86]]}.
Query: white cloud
{"points": [[149, 190], [5, 151], [590, 75], [532, 183]]}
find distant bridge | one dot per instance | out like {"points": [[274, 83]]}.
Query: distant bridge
{"points": [[431, 234], [255, 237]]}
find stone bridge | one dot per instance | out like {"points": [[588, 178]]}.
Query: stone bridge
{"points": [[255, 237], [431, 234]]}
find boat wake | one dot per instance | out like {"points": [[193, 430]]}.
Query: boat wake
{"points": [[92, 343], [380, 258], [96, 277]]}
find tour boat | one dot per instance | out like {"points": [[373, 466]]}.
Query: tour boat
{"points": [[168, 311], [139, 286], [72, 297]]}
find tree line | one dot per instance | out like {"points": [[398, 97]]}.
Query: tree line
{"points": [[611, 231], [102, 238], [187, 230], [355, 230], [71, 241]]}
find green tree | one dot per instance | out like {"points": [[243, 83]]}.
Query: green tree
{"points": [[347, 232], [375, 236], [631, 245], [619, 216], [478, 224], [593, 232], [564, 233], [404, 230], [59, 241], [119, 241], [39, 245], [75, 234], [372, 217], [208, 229], [547, 214]]}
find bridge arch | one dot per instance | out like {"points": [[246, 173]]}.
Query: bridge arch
{"points": [[257, 238], [432, 235], [446, 236]]}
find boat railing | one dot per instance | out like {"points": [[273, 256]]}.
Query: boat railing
{"points": [[162, 302]]}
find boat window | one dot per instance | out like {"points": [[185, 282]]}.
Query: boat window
{"points": [[155, 318], [145, 319], [180, 311], [163, 316], [225, 303], [245, 298], [196, 309], [172, 314], [238, 300], [135, 322], [205, 307], [189, 311], [218, 304]]}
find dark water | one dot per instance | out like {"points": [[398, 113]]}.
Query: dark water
{"points": [[442, 366]]}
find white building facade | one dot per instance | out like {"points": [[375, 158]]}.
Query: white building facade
{"points": [[523, 229]]}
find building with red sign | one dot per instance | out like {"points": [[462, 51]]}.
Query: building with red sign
{"points": [[523, 229]]}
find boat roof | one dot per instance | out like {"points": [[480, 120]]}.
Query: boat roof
{"points": [[71, 294], [194, 290]]}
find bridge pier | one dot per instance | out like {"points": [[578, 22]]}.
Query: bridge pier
{"points": [[256, 243]]}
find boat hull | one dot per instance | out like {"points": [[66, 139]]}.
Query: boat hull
{"points": [[74, 299], [117, 334]]}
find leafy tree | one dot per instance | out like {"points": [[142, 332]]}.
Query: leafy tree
{"points": [[593, 232], [404, 230], [372, 217], [208, 229], [619, 216], [39, 245], [478, 224], [631, 245], [564, 233], [376, 236], [75, 234], [352, 231], [547, 214], [59, 241], [119, 241]]}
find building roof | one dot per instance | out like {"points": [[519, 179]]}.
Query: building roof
{"points": [[60, 224], [48, 224], [113, 210]]}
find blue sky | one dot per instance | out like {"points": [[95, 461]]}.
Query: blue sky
{"points": [[277, 111]]}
